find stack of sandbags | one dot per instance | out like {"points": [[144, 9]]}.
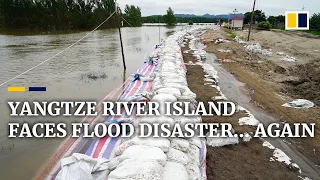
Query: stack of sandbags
{"points": [[256, 48], [163, 158]]}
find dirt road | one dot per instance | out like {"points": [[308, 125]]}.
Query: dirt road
{"points": [[247, 160], [231, 88], [263, 79]]}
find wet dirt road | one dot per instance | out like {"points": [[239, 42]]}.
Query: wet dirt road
{"points": [[233, 90]]}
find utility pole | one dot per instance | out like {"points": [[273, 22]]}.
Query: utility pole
{"points": [[159, 28], [118, 22], [229, 21], [234, 15], [252, 14], [303, 8]]}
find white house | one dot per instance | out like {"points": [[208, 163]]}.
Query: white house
{"points": [[236, 23]]}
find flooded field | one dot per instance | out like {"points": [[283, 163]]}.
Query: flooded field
{"points": [[88, 71]]}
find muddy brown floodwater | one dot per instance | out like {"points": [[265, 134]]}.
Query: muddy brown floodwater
{"points": [[88, 71]]}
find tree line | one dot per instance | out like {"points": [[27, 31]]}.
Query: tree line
{"points": [[279, 21], [157, 19], [170, 19], [63, 14]]}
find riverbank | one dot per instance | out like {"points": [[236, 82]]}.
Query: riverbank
{"points": [[246, 160], [267, 79]]}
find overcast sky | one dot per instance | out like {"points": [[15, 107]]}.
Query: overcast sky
{"points": [[200, 7]]}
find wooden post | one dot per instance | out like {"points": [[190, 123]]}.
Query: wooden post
{"points": [[118, 22], [159, 28], [252, 14]]}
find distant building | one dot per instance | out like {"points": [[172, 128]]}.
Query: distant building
{"points": [[236, 23]]}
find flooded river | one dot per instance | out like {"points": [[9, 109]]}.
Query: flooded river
{"points": [[67, 77]]}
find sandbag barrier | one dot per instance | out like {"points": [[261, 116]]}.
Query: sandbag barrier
{"points": [[100, 147], [152, 158], [163, 158]]}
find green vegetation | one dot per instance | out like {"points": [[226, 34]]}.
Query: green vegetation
{"points": [[315, 22], [264, 25], [313, 32], [132, 15], [277, 22], [258, 16], [169, 18], [231, 34], [53, 15], [190, 22], [157, 19]]}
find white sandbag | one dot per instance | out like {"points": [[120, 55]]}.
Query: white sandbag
{"points": [[256, 48], [186, 119], [195, 141], [182, 120], [181, 88], [189, 93], [250, 121], [162, 143], [178, 73], [141, 152], [137, 170], [184, 98], [289, 59], [156, 119], [157, 85], [193, 172], [299, 103], [80, 166], [246, 137], [180, 81], [175, 171], [177, 156], [114, 162], [180, 144], [173, 91], [164, 98], [219, 141], [194, 155]]}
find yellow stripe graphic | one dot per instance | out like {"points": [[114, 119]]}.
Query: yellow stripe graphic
{"points": [[16, 89], [292, 20]]}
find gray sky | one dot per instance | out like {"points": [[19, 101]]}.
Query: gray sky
{"points": [[200, 7]]}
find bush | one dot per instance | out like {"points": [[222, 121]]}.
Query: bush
{"points": [[264, 25], [315, 22], [190, 22], [233, 36]]}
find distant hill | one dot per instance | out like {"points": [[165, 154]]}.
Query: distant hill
{"points": [[222, 16], [185, 15], [186, 18]]}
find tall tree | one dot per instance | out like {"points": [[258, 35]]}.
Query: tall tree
{"points": [[259, 16], [169, 18], [277, 21], [56, 14], [273, 20], [132, 14], [315, 22]]}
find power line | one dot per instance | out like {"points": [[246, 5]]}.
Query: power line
{"points": [[58, 52], [126, 21]]}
